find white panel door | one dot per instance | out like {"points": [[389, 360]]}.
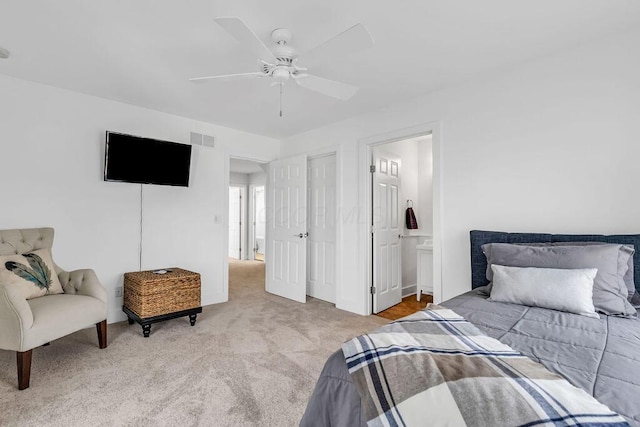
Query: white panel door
{"points": [[286, 231], [387, 228], [321, 249], [235, 219]]}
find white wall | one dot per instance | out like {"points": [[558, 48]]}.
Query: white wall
{"points": [[258, 178], [546, 146], [237, 178], [52, 149]]}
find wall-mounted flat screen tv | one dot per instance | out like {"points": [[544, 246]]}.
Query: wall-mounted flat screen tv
{"points": [[140, 160]]}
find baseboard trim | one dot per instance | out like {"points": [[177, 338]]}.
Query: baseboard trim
{"points": [[409, 290]]}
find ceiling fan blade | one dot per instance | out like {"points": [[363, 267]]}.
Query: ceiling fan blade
{"points": [[239, 31], [352, 40], [226, 76], [327, 87]]}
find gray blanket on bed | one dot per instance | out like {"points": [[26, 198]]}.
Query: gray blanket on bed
{"points": [[435, 362], [601, 356]]}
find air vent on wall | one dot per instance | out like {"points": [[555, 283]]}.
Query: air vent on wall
{"points": [[196, 138], [207, 140], [201, 139]]}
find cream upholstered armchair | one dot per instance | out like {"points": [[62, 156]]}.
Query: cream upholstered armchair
{"points": [[29, 323]]}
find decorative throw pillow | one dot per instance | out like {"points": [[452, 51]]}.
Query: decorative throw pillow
{"points": [[610, 294], [33, 273], [569, 290], [625, 259]]}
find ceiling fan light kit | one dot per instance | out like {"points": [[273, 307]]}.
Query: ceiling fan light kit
{"points": [[280, 63], [281, 74]]}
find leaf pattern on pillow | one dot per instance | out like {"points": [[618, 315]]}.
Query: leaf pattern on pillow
{"points": [[40, 268], [38, 273]]}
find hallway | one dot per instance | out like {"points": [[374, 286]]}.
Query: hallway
{"points": [[245, 276]]}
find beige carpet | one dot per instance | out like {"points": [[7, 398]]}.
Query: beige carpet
{"points": [[251, 361]]}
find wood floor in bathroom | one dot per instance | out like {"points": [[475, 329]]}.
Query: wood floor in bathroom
{"points": [[409, 305]]}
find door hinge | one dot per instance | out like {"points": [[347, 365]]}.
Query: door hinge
{"points": [[373, 290], [372, 168]]}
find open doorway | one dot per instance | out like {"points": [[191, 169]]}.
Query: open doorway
{"points": [[247, 179], [402, 222]]}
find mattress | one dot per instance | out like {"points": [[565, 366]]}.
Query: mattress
{"points": [[601, 356]]}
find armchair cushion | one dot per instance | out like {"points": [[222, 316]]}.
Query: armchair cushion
{"points": [[32, 273], [55, 316]]}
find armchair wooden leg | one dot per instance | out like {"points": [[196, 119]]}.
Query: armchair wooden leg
{"points": [[24, 368], [102, 333]]}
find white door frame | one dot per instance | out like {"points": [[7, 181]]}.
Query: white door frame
{"points": [[251, 218], [264, 219], [365, 146], [242, 217]]}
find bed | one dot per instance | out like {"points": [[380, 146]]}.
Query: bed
{"points": [[599, 354]]}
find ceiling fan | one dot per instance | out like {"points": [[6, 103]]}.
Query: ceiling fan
{"points": [[280, 64]]}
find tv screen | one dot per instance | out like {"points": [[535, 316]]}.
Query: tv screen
{"points": [[140, 160]]}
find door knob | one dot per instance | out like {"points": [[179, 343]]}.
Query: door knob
{"points": [[301, 235]]}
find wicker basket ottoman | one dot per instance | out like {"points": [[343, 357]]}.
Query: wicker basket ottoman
{"points": [[150, 297]]}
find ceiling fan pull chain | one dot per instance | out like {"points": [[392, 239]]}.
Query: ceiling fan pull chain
{"points": [[281, 99]]}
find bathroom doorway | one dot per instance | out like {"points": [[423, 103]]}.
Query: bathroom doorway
{"points": [[402, 220]]}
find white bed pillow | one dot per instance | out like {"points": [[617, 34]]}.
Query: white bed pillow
{"points": [[569, 290]]}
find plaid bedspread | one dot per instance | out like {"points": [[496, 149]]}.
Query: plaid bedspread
{"points": [[435, 368]]}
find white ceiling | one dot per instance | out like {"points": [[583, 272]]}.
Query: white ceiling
{"points": [[142, 52]]}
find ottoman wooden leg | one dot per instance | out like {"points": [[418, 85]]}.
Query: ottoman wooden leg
{"points": [[24, 368], [146, 330]]}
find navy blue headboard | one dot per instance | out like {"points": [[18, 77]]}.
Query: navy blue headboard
{"points": [[479, 238]]}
